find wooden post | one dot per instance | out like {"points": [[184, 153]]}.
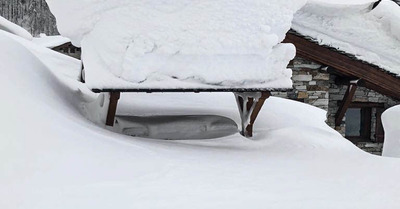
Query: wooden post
{"points": [[112, 108], [249, 108], [379, 132], [256, 111], [348, 97]]}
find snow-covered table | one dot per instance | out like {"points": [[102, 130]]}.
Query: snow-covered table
{"points": [[182, 46]]}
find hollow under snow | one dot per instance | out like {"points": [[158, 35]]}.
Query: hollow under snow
{"points": [[181, 44]]}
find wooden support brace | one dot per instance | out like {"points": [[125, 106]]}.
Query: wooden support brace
{"points": [[256, 111], [112, 108], [249, 107], [348, 97]]}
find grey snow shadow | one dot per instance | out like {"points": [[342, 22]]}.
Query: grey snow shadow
{"points": [[177, 127]]}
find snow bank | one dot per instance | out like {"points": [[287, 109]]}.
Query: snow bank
{"points": [[391, 123], [52, 157], [370, 35], [14, 29], [181, 44], [60, 63], [50, 41]]}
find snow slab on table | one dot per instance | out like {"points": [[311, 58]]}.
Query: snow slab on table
{"points": [[370, 35], [53, 157], [10, 27], [180, 44]]}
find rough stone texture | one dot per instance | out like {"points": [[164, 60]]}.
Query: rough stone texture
{"points": [[312, 84], [373, 148], [362, 94]]}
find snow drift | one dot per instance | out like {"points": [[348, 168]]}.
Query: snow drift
{"points": [[391, 123], [52, 157], [370, 35], [10, 27], [181, 44]]}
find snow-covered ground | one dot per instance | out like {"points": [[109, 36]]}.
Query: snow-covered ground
{"points": [[51, 156], [181, 44], [351, 26]]}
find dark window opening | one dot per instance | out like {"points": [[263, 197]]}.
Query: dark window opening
{"points": [[359, 122], [353, 122]]}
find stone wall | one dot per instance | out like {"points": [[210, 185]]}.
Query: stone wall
{"points": [[336, 94], [373, 148], [312, 84]]}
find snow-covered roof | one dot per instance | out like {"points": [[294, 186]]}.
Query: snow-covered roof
{"points": [[181, 44], [355, 27], [14, 29], [50, 41]]}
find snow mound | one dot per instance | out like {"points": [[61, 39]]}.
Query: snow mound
{"points": [[370, 35], [181, 44], [10, 27], [391, 123]]}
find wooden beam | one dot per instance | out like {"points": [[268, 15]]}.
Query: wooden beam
{"points": [[190, 90], [380, 81], [348, 97], [112, 108], [379, 132], [366, 118], [366, 104]]}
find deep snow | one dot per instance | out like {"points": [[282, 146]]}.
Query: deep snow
{"points": [[51, 156]]}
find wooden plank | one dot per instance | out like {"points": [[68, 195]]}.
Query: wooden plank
{"points": [[191, 90], [379, 132], [112, 108], [348, 97], [366, 104], [374, 77], [366, 117]]}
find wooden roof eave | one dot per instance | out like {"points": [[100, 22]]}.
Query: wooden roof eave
{"points": [[372, 76]]}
